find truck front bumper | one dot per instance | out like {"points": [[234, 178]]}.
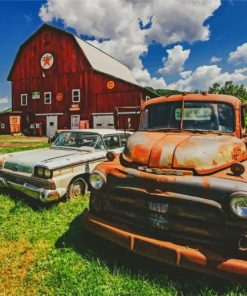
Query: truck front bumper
{"points": [[44, 195], [200, 260]]}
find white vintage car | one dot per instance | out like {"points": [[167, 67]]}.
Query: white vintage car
{"points": [[49, 174]]}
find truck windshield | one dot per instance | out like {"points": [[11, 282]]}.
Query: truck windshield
{"points": [[203, 116], [78, 140]]}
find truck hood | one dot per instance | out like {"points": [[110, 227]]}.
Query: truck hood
{"points": [[204, 153], [50, 158]]}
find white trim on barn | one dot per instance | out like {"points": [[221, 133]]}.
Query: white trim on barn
{"points": [[48, 114]]}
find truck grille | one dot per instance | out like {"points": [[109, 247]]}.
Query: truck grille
{"points": [[165, 215], [19, 179]]}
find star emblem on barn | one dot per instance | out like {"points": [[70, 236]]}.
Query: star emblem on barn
{"points": [[47, 61]]}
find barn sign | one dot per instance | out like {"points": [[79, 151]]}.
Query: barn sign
{"points": [[74, 107], [110, 84], [59, 96], [47, 61], [36, 95]]}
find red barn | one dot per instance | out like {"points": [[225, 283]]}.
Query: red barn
{"points": [[60, 81]]}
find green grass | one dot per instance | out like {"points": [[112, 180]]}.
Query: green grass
{"points": [[28, 146], [46, 251]]}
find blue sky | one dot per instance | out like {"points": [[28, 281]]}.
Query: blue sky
{"points": [[157, 58]]}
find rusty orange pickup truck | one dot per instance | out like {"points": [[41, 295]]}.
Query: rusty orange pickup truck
{"points": [[178, 192]]}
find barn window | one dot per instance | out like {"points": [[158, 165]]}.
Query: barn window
{"points": [[2, 125], [47, 97], [76, 95], [23, 99]]}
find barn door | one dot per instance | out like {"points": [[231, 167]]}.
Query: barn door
{"points": [[51, 126], [103, 120], [75, 121]]}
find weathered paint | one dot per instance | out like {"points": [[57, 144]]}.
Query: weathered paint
{"points": [[172, 191], [202, 153], [196, 259], [66, 163]]}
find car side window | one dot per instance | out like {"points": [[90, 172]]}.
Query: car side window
{"points": [[111, 141], [99, 144]]}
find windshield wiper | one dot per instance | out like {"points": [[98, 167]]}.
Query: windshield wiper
{"points": [[204, 131], [161, 129]]}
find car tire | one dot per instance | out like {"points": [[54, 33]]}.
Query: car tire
{"points": [[76, 188]]}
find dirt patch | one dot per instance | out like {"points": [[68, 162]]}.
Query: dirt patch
{"points": [[17, 258], [15, 145], [8, 141]]}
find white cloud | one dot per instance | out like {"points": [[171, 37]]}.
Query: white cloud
{"points": [[204, 76], [185, 74], [4, 101], [175, 60], [215, 60], [241, 70], [239, 55], [178, 20], [118, 23], [145, 79]]}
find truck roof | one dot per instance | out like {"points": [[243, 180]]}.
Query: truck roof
{"points": [[197, 97]]}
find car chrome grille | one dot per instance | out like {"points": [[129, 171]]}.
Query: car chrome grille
{"points": [[19, 179]]}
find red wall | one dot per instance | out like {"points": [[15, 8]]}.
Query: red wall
{"points": [[67, 73], [70, 70], [4, 118], [123, 94]]}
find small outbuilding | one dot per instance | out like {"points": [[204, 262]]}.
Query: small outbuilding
{"points": [[10, 122], [60, 81]]}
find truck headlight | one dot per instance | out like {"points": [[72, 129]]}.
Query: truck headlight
{"points": [[238, 204], [97, 180]]}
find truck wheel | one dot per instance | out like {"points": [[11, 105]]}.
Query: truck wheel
{"points": [[76, 188]]}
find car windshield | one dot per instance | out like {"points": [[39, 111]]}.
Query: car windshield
{"points": [[78, 140], [198, 116]]}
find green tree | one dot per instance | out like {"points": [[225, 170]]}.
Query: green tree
{"points": [[229, 88]]}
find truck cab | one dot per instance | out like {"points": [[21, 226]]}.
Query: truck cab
{"points": [[178, 191]]}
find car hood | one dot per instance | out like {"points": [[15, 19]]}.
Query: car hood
{"points": [[204, 153], [50, 158]]}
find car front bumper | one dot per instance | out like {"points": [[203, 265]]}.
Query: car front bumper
{"points": [[44, 195], [200, 260]]}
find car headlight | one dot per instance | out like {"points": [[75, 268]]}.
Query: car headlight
{"points": [[40, 172], [43, 172], [47, 173], [97, 180], [238, 204]]}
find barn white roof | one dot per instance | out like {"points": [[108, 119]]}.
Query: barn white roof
{"points": [[102, 62]]}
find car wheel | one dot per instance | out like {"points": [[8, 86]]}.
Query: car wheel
{"points": [[76, 188]]}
